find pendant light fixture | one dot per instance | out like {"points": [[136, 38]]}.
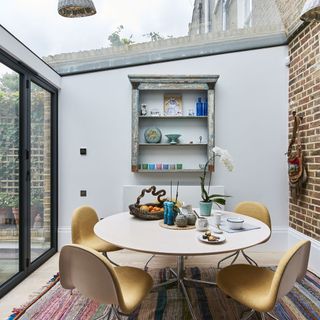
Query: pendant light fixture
{"points": [[76, 8], [311, 11]]}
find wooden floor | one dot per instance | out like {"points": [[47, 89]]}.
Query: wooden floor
{"points": [[33, 284]]}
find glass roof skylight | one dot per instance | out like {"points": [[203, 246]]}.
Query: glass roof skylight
{"points": [[124, 29]]}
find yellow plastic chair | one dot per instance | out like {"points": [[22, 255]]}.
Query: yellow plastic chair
{"points": [[83, 220], [255, 210], [259, 288], [93, 275]]}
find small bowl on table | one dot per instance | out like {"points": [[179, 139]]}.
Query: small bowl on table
{"points": [[235, 223]]}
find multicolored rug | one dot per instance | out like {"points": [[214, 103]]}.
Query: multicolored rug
{"points": [[56, 303]]}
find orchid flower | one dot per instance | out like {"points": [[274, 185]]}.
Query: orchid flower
{"points": [[226, 159]]}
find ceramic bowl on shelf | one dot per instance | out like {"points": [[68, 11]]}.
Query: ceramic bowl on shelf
{"points": [[235, 223], [173, 138]]}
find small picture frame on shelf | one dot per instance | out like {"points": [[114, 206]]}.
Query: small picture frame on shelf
{"points": [[172, 105]]}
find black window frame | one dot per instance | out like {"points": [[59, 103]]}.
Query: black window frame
{"points": [[27, 75]]}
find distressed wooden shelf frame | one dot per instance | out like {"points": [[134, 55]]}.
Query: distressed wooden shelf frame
{"points": [[171, 83]]}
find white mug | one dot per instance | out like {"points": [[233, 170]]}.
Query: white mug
{"points": [[217, 218], [202, 224]]}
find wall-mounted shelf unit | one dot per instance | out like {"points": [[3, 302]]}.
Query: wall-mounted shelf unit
{"points": [[194, 147]]}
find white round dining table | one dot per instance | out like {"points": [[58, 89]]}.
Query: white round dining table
{"points": [[129, 232]]}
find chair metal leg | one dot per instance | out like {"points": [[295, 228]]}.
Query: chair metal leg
{"points": [[247, 314], [117, 312], [249, 259], [271, 316], [231, 255], [106, 315], [146, 265], [106, 255]]}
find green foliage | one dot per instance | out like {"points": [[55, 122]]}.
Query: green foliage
{"points": [[3, 201], [116, 40], [9, 200], [9, 82], [153, 36], [9, 128], [37, 197]]}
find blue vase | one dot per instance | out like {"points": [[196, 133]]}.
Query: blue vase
{"points": [[165, 215], [171, 214], [199, 107], [205, 208], [205, 107]]}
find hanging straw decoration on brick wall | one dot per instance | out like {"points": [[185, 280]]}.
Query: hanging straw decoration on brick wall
{"points": [[76, 8]]}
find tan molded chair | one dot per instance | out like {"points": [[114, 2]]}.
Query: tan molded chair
{"points": [[260, 288], [95, 277], [255, 210], [83, 220]]}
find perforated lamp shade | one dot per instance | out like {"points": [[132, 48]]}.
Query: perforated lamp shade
{"points": [[76, 8], [311, 11]]}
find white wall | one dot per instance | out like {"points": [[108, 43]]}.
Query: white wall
{"points": [[251, 122], [16, 49]]}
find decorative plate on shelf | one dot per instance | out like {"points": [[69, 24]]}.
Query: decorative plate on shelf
{"points": [[152, 135]]}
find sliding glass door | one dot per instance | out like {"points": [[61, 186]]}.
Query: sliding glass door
{"points": [[40, 169], [28, 172], [9, 172]]}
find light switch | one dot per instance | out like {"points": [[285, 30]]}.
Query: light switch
{"points": [[83, 151]]}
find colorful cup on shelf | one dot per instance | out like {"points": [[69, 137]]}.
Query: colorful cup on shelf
{"points": [[159, 166], [145, 166], [165, 166], [151, 166], [172, 167], [179, 166]]}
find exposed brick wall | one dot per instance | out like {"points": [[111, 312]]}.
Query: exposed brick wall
{"points": [[304, 98]]}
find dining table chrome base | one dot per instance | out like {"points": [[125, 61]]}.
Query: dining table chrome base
{"points": [[181, 281]]}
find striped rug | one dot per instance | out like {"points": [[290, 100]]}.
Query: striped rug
{"points": [[54, 303]]}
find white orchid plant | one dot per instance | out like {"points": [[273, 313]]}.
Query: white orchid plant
{"points": [[226, 159]]}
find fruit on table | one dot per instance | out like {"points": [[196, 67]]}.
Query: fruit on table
{"points": [[144, 208], [151, 209]]}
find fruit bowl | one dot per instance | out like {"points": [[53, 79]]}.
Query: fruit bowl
{"points": [[140, 211], [149, 211], [173, 138]]}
